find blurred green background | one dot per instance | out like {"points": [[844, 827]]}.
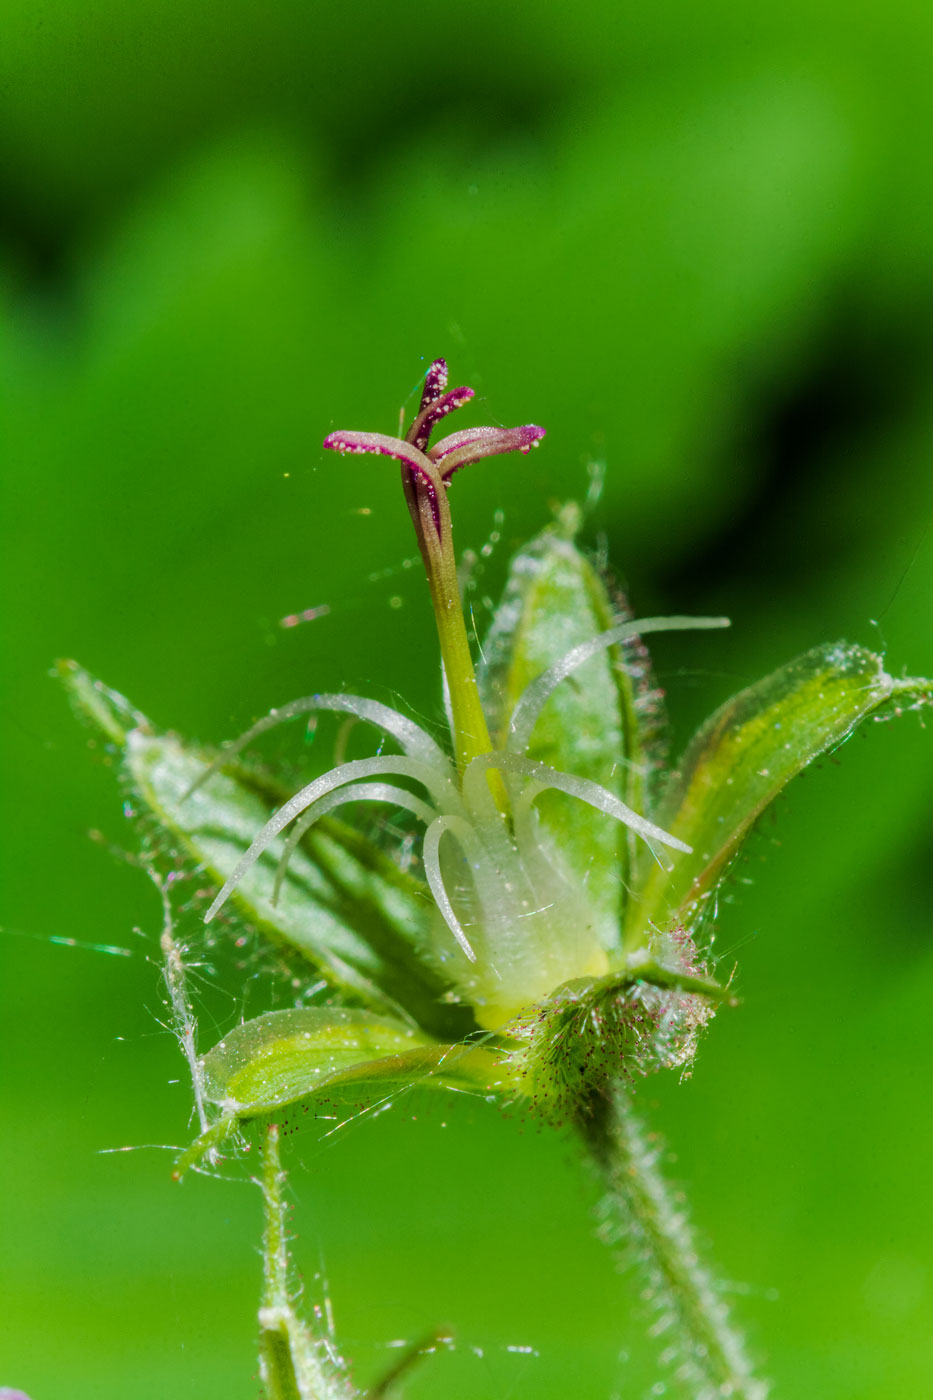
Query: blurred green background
{"points": [[694, 241]]}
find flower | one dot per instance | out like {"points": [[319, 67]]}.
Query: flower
{"points": [[515, 918], [552, 946], [551, 952]]}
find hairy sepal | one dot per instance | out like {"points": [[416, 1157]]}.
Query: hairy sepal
{"points": [[555, 600], [739, 761], [592, 1033]]}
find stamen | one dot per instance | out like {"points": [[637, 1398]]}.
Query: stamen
{"points": [[359, 792], [440, 787], [583, 788], [472, 444], [413, 739], [432, 869], [419, 434], [537, 693], [435, 382], [413, 462]]}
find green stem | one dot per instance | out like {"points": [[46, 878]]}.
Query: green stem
{"points": [[640, 1211], [293, 1364], [206, 1145]]}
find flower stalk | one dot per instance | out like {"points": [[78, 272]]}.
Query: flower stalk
{"points": [[293, 1363], [700, 1344]]}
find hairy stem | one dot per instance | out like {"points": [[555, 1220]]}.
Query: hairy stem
{"points": [[176, 981], [293, 1364], [642, 1214]]}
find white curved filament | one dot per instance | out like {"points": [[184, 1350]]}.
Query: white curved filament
{"points": [[398, 765], [432, 869], [410, 736], [413, 740], [537, 693], [583, 788], [358, 792]]}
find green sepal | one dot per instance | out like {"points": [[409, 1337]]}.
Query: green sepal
{"points": [[739, 761], [288, 1058], [107, 709], [343, 904], [554, 600]]}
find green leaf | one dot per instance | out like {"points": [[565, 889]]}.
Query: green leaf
{"points": [[739, 761], [289, 1057], [285, 1055], [343, 903], [593, 724]]}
